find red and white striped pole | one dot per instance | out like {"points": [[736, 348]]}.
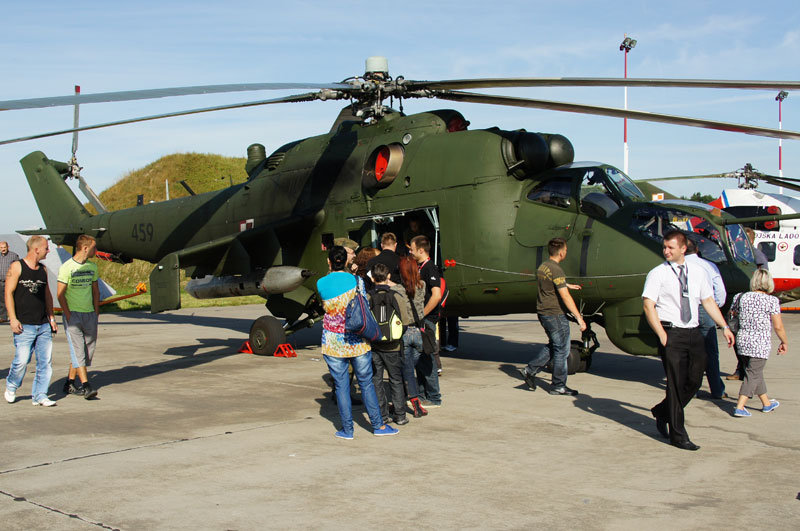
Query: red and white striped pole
{"points": [[780, 97], [626, 46]]}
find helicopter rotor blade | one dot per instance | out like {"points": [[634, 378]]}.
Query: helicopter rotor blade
{"points": [[508, 82], [310, 96], [510, 101], [129, 95], [789, 179], [791, 184], [689, 177]]}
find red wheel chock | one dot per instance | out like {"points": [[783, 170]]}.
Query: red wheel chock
{"points": [[246, 348], [285, 350]]}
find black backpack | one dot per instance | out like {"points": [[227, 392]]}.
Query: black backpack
{"points": [[387, 313]]}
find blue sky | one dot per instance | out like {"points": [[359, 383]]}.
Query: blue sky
{"points": [[50, 46]]}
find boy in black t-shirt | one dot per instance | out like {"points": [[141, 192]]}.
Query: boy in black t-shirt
{"points": [[429, 273]]}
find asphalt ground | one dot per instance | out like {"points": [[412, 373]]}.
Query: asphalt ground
{"points": [[189, 434]]}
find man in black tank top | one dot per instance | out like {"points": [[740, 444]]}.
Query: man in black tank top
{"points": [[30, 312]]}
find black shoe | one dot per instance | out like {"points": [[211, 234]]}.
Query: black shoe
{"points": [[87, 391], [686, 445], [661, 424], [71, 389], [529, 378], [401, 421], [387, 420], [566, 391]]}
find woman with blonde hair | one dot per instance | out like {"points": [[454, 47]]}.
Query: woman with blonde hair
{"points": [[759, 313]]}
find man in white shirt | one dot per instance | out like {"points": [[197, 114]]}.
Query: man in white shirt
{"points": [[707, 326], [673, 292]]}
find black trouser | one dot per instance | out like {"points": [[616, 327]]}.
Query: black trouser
{"points": [[741, 362], [393, 362], [684, 360], [448, 330], [3, 311]]}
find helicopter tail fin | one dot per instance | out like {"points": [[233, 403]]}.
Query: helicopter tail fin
{"points": [[62, 212]]}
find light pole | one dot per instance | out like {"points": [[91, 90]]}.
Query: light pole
{"points": [[779, 98], [626, 46]]}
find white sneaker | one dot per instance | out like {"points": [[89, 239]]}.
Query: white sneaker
{"points": [[10, 396], [46, 402], [449, 348]]}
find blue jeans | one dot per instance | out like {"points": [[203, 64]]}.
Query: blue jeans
{"points": [[38, 339], [412, 346], [709, 331], [362, 367], [557, 329]]}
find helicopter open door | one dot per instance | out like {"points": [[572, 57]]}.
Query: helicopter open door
{"points": [[546, 210], [371, 226]]}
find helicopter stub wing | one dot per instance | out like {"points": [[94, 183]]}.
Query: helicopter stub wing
{"points": [[234, 255]]}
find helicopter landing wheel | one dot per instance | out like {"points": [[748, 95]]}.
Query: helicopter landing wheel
{"points": [[266, 334], [576, 362]]}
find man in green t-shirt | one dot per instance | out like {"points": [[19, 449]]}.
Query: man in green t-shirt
{"points": [[552, 305], [79, 296]]}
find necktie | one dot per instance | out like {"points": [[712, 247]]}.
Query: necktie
{"points": [[686, 312]]}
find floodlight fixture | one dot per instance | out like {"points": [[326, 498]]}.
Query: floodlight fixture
{"points": [[627, 44]]}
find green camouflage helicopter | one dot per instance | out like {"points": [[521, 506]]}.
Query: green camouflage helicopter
{"points": [[492, 199]]}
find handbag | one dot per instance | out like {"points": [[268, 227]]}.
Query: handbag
{"points": [[733, 314], [358, 318], [428, 333]]}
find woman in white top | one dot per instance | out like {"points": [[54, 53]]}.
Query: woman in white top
{"points": [[759, 313]]}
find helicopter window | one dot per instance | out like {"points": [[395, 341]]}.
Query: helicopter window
{"points": [[740, 243], [706, 238], [623, 183], [596, 199], [797, 255], [654, 223], [768, 248], [556, 192]]}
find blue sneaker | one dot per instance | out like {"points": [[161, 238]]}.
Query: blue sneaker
{"points": [[344, 435], [386, 430], [772, 405], [741, 413]]}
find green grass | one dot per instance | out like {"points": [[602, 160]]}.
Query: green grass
{"points": [[203, 173]]}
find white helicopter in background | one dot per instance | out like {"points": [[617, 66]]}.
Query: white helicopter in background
{"points": [[778, 240]]}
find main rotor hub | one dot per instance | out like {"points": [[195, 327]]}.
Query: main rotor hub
{"points": [[368, 92]]}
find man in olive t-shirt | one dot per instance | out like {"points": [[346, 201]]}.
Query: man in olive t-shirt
{"points": [[552, 304]]}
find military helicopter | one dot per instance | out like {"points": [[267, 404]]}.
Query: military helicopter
{"points": [[492, 197]]}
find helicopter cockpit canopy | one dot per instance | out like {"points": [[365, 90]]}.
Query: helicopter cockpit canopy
{"points": [[601, 189], [655, 221]]}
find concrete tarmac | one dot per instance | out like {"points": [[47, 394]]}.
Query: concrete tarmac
{"points": [[189, 434]]}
